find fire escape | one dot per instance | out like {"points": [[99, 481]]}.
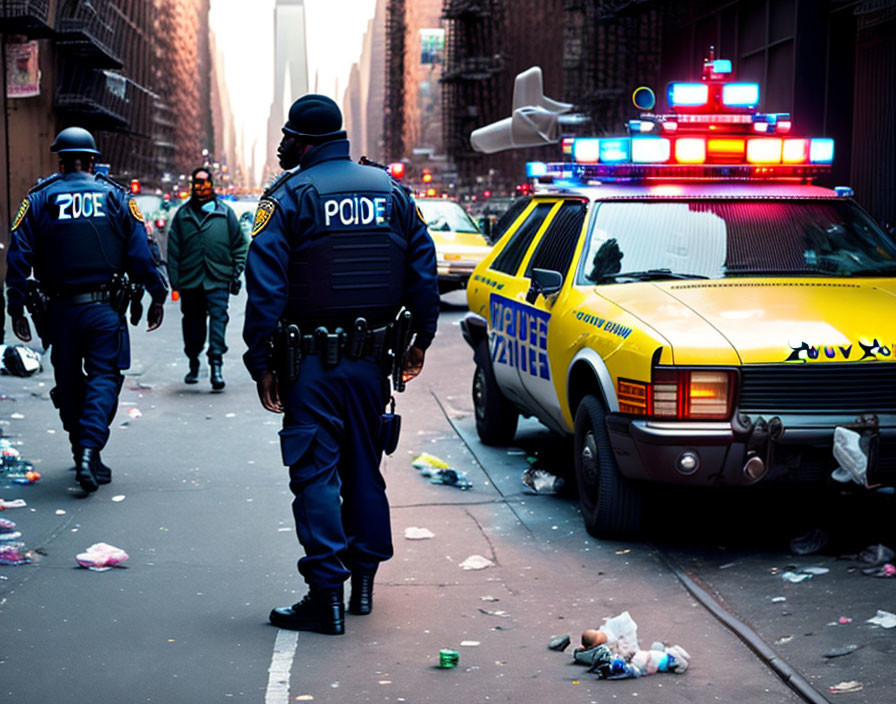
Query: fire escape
{"points": [[28, 17], [610, 48], [393, 107], [471, 94]]}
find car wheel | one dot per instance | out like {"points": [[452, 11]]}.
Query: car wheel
{"points": [[611, 503], [496, 417]]}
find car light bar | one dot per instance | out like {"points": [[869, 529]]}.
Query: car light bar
{"points": [[713, 132]]}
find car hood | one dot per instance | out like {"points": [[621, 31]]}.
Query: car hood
{"points": [[769, 320]]}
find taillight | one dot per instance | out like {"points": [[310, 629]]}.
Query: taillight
{"points": [[684, 394], [160, 223]]}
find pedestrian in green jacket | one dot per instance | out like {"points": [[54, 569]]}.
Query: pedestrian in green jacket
{"points": [[206, 256]]}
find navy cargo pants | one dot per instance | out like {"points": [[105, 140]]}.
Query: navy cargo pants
{"points": [[205, 312], [330, 442], [90, 348]]}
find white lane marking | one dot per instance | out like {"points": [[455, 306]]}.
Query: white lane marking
{"points": [[281, 666]]}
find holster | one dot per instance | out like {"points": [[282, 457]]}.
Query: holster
{"points": [[286, 351], [37, 303], [402, 339], [120, 292], [390, 429], [135, 296]]}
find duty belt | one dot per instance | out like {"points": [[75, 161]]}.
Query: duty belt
{"points": [[350, 343], [102, 296]]}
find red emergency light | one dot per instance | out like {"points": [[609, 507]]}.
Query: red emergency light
{"points": [[135, 186], [396, 170]]}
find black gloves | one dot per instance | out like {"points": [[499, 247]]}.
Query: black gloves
{"points": [[22, 328], [155, 315]]}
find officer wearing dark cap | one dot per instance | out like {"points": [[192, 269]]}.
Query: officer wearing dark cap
{"points": [[81, 235], [338, 252]]}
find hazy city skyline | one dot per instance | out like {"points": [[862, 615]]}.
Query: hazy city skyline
{"points": [[245, 40]]}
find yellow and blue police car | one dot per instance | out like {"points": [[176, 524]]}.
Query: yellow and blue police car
{"points": [[691, 309]]}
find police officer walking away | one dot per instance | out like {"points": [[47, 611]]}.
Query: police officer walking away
{"points": [[338, 251], [206, 255], [82, 235]]}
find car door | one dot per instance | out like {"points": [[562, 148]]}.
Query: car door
{"points": [[508, 288], [538, 361]]}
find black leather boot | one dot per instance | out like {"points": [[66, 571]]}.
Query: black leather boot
{"points": [[321, 611], [217, 378], [360, 602], [102, 473], [88, 466], [192, 376]]}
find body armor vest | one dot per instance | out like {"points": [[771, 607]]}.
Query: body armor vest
{"points": [[351, 263], [81, 244]]}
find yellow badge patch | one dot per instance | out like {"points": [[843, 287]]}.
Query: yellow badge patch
{"points": [[420, 215], [135, 210], [23, 209], [263, 215]]}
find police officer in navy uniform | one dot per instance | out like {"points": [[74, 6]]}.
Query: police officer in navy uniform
{"points": [[338, 250], [80, 233]]}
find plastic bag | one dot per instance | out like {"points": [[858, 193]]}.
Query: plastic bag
{"points": [[101, 556]]}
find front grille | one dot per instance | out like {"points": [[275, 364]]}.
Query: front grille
{"points": [[819, 388]]}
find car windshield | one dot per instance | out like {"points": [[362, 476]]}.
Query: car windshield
{"points": [[446, 215], [642, 240]]}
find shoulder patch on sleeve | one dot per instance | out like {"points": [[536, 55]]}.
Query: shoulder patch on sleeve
{"points": [[135, 210], [263, 215], [23, 209], [419, 214]]}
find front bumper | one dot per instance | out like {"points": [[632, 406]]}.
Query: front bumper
{"points": [[792, 448]]}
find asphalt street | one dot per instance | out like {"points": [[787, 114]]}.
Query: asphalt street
{"points": [[200, 502]]}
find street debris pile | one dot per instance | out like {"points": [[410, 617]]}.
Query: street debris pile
{"points": [[100, 557], [540, 481], [12, 550], [440, 472], [13, 467], [19, 360], [612, 651]]}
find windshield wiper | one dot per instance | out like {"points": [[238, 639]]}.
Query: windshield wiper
{"points": [[883, 270], [650, 275]]}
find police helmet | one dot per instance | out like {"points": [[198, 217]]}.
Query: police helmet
{"points": [[74, 139], [315, 118]]}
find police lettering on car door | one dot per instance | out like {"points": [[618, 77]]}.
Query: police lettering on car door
{"points": [[520, 336]]}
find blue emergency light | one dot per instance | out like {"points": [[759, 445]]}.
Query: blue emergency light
{"points": [[741, 95]]}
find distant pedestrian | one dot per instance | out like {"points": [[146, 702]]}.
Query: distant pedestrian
{"points": [[206, 255], [79, 234], [338, 250]]}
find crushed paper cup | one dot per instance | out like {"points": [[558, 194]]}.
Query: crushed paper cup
{"points": [[101, 557], [415, 533], [476, 562]]}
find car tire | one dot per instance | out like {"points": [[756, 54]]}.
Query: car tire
{"points": [[611, 503], [496, 417]]}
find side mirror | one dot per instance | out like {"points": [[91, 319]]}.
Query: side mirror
{"points": [[546, 282]]}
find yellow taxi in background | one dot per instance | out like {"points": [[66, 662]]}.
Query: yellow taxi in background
{"points": [[691, 310], [460, 245]]}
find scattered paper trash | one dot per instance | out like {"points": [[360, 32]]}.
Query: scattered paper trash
{"points": [[8, 537], [476, 562], [415, 533], [424, 459], [844, 687], [777, 599], [884, 619], [14, 554], [853, 458], [469, 643], [118, 497], [815, 570], [101, 557], [6, 526], [540, 481], [795, 577], [134, 413], [843, 620], [15, 503]]}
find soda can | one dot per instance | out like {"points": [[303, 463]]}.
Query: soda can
{"points": [[448, 658]]}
